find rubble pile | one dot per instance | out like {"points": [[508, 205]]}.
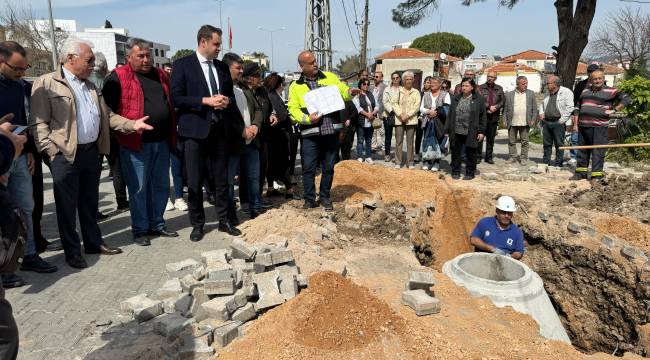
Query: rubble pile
{"points": [[206, 304]]}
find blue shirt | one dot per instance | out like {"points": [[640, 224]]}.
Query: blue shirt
{"points": [[510, 239]]}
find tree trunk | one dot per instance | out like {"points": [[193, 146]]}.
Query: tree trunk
{"points": [[574, 36]]}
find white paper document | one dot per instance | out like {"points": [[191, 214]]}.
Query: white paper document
{"points": [[324, 100]]}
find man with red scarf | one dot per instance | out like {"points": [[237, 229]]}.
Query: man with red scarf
{"points": [[133, 91]]}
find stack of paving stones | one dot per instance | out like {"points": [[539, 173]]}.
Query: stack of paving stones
{"points": [[207, 303], [419, 296]]}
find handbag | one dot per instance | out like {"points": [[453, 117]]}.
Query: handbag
{"points": [[377, 123], [13, 229]]}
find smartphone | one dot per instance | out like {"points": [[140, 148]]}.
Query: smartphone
{"points": [[20, 129]]}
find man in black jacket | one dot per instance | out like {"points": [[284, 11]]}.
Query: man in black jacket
{"points": [[202, 91], [494, 100]]}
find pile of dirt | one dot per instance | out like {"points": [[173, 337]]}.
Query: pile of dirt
{"points": [[619, 195], [630, 230]]}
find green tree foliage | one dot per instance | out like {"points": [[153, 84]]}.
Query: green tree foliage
{"points": [[639, 68], [182, 53], [444, 42], [638, 88], [349, 65]]}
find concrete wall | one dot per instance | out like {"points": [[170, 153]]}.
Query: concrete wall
{"points": [[509, 80], [423, 64]]}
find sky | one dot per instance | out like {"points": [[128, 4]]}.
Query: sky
{"points": [[493, 30]]}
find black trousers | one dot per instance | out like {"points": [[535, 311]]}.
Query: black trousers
{"points": [[456, 154], [37, 214], [8, 330], [213, 150], [592, 136], [119, 185], [347, 138], [490, 134], [418, 136], [294, 140], [76, 190]]}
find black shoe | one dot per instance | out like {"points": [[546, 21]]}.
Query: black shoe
{"points": [[122, 207], [102, 217], [162, 232], [77, 262], [212, 199], [142, 240], [578, 176], [229, 228], [455, 176], [468, 177], [253, 214], [292, 196], [272, 192], [197, 233], [44, 245], [234, 220], [12, 281], [35, 263], [104, 250], [327, 204], [489, 161], [309, 205]]}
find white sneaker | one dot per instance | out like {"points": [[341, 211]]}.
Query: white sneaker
{"points": [[360, 160], [411, 167], [572, 162], [180, 204], [425, 167], [369, 161], [398, 166], [434, 168], [169, 206]]}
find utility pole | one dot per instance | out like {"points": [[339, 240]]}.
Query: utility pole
{"points": [[55, 56], [318, 32], [220, 18], [364, 38]]}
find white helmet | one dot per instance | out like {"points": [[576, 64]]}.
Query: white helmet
{"points": [[506, 203]]}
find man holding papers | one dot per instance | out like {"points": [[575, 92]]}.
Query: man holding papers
{"points": [[319, 118]]}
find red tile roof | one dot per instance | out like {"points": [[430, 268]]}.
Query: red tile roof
{"points": [[528, 55], [405, 53], [608, 69], [509, 67]]}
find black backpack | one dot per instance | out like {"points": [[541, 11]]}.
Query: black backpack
{"points": [[13, 234]]}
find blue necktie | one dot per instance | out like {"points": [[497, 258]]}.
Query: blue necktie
{"points": [[216, 115]]}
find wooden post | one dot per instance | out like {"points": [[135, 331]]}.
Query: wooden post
{"points": [[606, 146]]}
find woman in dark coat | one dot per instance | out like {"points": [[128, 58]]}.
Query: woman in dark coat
{"points": [[465, 126], [278, 136]]}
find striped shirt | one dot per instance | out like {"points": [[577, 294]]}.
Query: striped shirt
{"points": [[87, 109], [594, 105]]}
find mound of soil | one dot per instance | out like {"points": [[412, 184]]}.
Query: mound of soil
{"points": [[619, 195]]}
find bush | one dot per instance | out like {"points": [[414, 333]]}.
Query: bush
{"points": [[638, 88]]}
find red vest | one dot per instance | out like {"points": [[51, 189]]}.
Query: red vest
{"points": [[132, 106]]}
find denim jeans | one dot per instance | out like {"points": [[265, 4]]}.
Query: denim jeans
{"points": [[177, 175], [314, 149], [147, 179], [249, 172], [574, 142], [364, 142], [389, 123], [21, 192]]}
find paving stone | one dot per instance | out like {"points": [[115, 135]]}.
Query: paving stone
{"points": [[170, 288], [268, 290], [199, 273], [226, 333], [148, 310], [199, 297], [514, 177], [219, 271], [419, 280], [574, 227], [288, 285], [245, 313], [631, 253], [264, 259], [195, 349], [219, 286], [241, 250], [281, 257], [490, 176], [218, 308], [182, 268], [609, 241], [215, 257], [129, 305], [421, 302], [169, 325], [290, 269], [189, 283], [179, 303], [248, 286], [204, 332], [303, 281]]}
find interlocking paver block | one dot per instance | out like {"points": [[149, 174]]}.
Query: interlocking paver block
{"points": [[182, 268], [421, 302], [303, 280], [169, 325], [219, 307], [281, 257], [195, 349], [421, 280], [199, 297], [128, 306], [148, 310], [241, 250], [211, 258], [288, 285], [199, 273], [264, 259], [189, 283], [268, 290], [220, 283], [226, 333], [170, 288], [245, 313], [179, 303]]}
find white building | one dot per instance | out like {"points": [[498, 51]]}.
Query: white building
{"points": [[507, 74], [263, 61]]}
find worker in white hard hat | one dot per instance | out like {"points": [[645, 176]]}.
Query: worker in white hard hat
{"points": [[498, 234]]}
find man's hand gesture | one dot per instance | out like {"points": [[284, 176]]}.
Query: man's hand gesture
{"points": [[140, 125]]}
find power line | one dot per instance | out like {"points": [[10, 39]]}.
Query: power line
{"points": [[347, 22], [356, 17]]}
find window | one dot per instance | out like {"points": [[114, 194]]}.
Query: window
{"points": [[531, 63], [157, 65], [162, 53], [156, 52]]}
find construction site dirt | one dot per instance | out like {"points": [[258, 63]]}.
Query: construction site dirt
{"points": [[589, 244]]}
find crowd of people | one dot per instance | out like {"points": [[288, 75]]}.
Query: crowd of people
{"points": [[217, 124]]}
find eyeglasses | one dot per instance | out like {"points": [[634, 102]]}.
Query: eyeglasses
{"points": [[395, 78], [88, 61], [17, 68]]}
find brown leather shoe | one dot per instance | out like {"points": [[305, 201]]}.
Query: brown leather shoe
{"points": [[105, 250]]}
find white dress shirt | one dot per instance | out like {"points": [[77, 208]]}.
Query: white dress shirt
{"points": [[205, 66], [88, 118]]}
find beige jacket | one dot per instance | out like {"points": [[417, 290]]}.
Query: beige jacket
{"points": [[53, 108], [407, 102]]}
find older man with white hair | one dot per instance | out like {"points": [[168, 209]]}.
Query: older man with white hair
{"points": [[555, 113], [72, 131]]}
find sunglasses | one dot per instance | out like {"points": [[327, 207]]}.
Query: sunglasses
{"points": [[17, 68]]}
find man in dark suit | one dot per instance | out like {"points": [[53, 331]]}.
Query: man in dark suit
{"points": [[202, 91]]}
